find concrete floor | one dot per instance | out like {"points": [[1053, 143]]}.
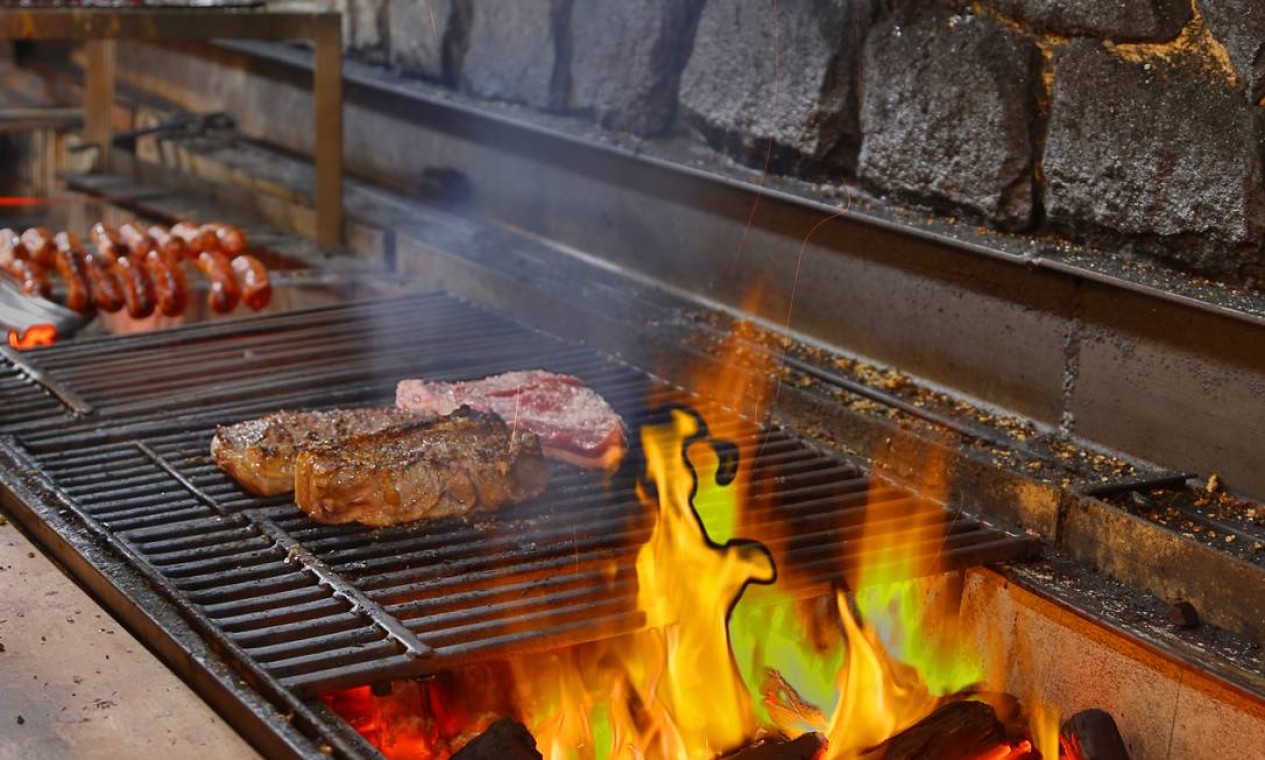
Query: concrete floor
{"points": [[76, 684]]}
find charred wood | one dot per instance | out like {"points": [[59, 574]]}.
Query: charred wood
{"points": [[952, 732], [504, 740], [1097, 734], [807, 747]]}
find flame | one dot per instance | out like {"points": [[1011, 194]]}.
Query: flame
{"points": [[723, 659], [733, 649], [35, 335]]}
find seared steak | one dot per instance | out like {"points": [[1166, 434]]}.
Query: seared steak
{"points": [[573, 422], [466, 461], [260, 453]]}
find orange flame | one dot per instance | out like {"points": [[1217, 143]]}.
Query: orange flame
{"points": [[732, 648], [35, 335]]}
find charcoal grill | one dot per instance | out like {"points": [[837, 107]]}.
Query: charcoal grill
{"points": [[105, 459]]}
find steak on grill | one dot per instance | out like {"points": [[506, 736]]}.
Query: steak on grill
{"points": [[260, 453], [466, 461], [573, 422]]}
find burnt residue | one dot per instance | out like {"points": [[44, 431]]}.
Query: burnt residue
{"points": [[1144, 618]]}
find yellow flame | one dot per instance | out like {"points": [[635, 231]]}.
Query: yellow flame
{"points": [[1045, 729], [732, 649], [723, 658], [687, 585]]}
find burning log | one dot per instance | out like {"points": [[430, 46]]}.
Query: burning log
{"points": [[504, 740], [807, 747], [953, 731], [1096, 735]]}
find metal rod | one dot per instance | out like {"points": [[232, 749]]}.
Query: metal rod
{"points": [[1163, 481]]}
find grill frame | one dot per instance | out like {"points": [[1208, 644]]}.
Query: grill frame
{"points": [[101, 426]]}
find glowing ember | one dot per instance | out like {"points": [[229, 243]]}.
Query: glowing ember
{"points": [[35, 335]]}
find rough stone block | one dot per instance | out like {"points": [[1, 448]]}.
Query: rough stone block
{"points": [[1239, 25], [792, 78], [1158, 151], [1135, 20], [947, 115], [514, 50], [423, 33], [626, 60]]}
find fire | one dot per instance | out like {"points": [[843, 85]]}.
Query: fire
{"points": [[681, 689], [732, 649], [35, 335]]}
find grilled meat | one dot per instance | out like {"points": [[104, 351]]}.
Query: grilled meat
{"points": [[260, 453], [466, 461], [574, 423]]}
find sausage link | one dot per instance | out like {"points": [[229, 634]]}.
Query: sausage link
{"points": [[107, 293], [102, 287], [102, 231], [232, 240], [31, 276], [167, 276], [67, 241], [252, 276], [211, 234], [70, 266], [138, 243], [198, 239], [11, 247], [172, 247], [39, 243], [224, 293], [138, 289], [109, 249]]}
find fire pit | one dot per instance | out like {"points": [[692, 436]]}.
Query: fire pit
{"points": [[555, 592], [941, 391]]}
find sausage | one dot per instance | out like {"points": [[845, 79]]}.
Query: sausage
{"points": [[31, 276], [39, 243], [109, 247], [70, 265], [11, 247], [102, 231], [138, 243], [167, 275], [102, 287], [252, 276], [107, 293], [198, 239], [232, 240], [138, 289], [224, 293], [172, 247], [211, 234], [67, 241]]}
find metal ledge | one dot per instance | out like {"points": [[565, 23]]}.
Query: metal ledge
{"points": [[367, 81]]}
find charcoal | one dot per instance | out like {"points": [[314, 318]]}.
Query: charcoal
{"points": [[504, 740], [955, 730], [807, 747], [1097, 734]]}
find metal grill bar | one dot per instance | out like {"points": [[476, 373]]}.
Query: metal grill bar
{"points": [[316, 607]]}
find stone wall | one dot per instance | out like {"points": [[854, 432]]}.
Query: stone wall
{"points": [[1130, 124]]}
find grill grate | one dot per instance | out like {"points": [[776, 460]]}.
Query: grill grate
{"points": [[119, 429]]}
